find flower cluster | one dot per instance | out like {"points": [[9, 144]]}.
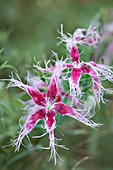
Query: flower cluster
{"points": [[47, 95]]}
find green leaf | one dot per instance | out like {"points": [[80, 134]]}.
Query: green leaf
{"points": [[5, 65]]}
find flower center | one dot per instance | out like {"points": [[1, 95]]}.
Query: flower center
{"points": [[50, 105]]}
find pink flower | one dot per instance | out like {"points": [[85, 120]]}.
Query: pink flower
{"points": [[45, 106], [97, 72]]}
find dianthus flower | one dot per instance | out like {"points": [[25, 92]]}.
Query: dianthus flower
{"points": [[97, 72], [45, 106]]}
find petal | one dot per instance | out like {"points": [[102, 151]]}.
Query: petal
{"points": [[71, 112], [74, 81], [37, 96], [74, 53], [50, 122], [52, 146], [52, 90], [106, 71], [98, 89], [30, 123], [50, 125], [32, 119], [76, 75], [62, 108]]}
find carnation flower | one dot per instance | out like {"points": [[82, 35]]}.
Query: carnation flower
{"points": [[45, 106]]}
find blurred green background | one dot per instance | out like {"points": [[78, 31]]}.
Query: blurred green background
{"points": [[28, 29]]}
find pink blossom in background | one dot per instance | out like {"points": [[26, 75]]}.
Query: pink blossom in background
{"points": [[97, 72]]}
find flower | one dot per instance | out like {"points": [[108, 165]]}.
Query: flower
{"points": [[97, 72], [45, 106]]}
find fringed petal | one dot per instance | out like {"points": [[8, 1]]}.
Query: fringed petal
{"points": [[37, 96], [98, 72], [50, 125], [97, 87], [106, 72], [74, 113], [30, 123]]}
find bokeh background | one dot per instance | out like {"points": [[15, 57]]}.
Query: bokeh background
{"points": [[28, 29]]}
